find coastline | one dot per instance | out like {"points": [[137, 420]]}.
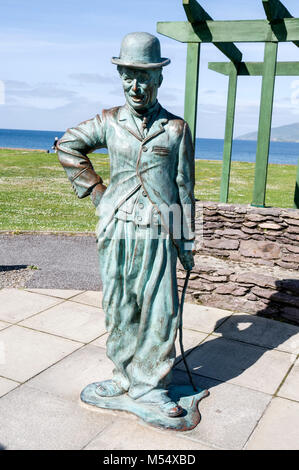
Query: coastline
{"points": [[26, 149], [216, 161]]}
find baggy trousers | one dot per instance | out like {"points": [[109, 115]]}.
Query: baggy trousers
{"points": [[140, 301]]}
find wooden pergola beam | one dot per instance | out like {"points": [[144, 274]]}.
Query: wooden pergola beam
{"points": [[255, 68], [196, 14], [287, 30], [276, 11]]}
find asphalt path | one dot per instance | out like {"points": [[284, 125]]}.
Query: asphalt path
{"points": [[63, 261]]}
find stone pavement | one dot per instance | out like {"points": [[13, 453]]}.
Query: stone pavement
{"points": [[52, 344]]}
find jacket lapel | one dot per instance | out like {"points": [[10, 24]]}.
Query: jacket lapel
{"points": [[158, 125], [125, 120]]}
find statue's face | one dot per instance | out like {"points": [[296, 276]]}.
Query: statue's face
{"points": [[140, 86]]}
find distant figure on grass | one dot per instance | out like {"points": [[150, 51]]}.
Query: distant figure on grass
{"points": [[54, 146]]}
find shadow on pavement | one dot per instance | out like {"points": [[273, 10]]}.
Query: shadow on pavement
{"points": [[13, 267], [244, 340]]}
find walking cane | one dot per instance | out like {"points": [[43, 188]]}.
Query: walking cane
{"points": [[181, 329]]}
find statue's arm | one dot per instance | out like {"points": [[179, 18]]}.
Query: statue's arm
{"points": [[72, 151], [186, 182]]}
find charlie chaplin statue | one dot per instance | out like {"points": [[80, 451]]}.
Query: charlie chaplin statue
{"points": [[151, 170]]}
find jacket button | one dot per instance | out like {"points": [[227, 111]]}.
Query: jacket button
{"points": [[144, 194], [141, 206], [139, 218], [144, 148]]}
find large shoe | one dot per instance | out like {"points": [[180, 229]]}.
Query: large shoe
{"points": [[171, 409], [109, 388], [160, 398]]}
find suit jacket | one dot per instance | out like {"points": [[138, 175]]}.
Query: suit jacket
{"points": [[162, 163]]}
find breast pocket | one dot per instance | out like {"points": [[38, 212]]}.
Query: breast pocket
{"points": [[162, 151]]}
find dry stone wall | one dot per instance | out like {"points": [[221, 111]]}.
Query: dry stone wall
{"points": [[247, 260]]}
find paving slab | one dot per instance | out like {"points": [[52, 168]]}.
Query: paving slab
{"points": [[61, 293], [261, 331], [204, 319], [35, 420], [239, 363], [290, 387], [17, 304], [67, 378], [279, 427], [228, 415], [141, 437], [90, 297], [101, 341], [27, 352], [191, 339], [7, 385], [3, 325], [70, 320]]}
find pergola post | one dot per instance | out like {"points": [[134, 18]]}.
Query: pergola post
{"points": [[296, 195], [229, 131], [265, 120], [191, 86]]}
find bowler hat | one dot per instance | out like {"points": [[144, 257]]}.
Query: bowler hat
{"points": [[140, 51]]}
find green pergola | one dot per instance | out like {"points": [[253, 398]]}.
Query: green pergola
{"points": [[280, 26]]}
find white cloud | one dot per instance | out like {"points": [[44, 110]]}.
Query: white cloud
{"points": [[58, 119], [93, 78], [12, 85], [41, 95]]}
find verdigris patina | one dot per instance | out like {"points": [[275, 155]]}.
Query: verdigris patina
{"points": [[146, 221]]}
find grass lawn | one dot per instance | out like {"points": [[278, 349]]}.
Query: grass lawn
{"points": [[35, 193]]}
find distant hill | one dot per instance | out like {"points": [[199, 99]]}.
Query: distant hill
{"points": [[289, 133]]}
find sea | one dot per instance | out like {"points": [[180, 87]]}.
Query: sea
{"points": [[206, 149]]}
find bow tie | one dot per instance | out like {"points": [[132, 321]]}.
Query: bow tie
{"points": [[144, 122], [145, 117]]}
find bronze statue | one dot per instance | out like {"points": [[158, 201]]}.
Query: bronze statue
{"points": [[146, 221]]}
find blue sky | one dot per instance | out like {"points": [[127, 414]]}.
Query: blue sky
{"points": [[56, 67]]}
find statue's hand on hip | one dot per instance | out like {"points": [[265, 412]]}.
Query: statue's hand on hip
{"points": [[97, 194]]}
